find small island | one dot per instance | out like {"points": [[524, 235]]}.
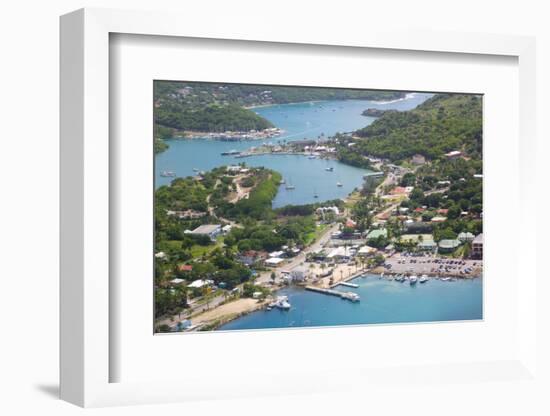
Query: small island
{"points": [[376, 112]]}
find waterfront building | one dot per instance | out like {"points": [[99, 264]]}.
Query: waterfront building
{"points": [[340, 253], [477, 247], [298, 275], [447, 246], [211, 230]]}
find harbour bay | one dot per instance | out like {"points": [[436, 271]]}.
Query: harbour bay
{"points": [[383, 301], [281, 299], [307, 120]]}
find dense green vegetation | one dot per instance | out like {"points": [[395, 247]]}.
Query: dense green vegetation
{"points": [[258, 204], [271, 235], [210, 107], [211, 118], [443, 123], [250, 95], [160, 146], [353, 158], [307, 209]]}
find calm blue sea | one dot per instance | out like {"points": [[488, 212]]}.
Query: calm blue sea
{"points": [[300, 121], [382, 302]]}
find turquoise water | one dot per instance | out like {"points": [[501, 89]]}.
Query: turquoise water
{"points": [[300, 121], [382, 302]]}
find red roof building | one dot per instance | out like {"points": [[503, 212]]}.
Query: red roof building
{"points": [[185, 267]]}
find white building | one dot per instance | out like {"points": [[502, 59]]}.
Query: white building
{"points": [[274, 261], [200, 283], [211, 230], [298, 275]]}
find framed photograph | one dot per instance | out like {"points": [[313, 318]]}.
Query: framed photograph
{"points": [[268, 196], [253, 207]]}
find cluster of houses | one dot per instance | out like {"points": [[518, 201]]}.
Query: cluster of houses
{"points": [[239, 135], [263, 258]]}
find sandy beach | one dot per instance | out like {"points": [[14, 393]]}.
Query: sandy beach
{"points": [[225, 313]]}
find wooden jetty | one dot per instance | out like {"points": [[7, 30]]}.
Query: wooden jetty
{"points": [[354, 297]]}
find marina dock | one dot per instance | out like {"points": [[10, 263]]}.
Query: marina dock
{"points": [[354, 297], [347, 284]]}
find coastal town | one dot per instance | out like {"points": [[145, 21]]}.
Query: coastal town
{"points": [[223, 252], [398, 244]]}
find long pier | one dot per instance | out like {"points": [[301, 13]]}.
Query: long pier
{"points": [[354, 297], [347, 284]]}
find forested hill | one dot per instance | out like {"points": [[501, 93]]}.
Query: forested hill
{"points": [[198, 93], [209, 118], [441, 124], [209, 107]]}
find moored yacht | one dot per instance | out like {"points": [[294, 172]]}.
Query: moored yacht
{"points": [[282, 303], [413, 279], [423, 279], [167, 174]]}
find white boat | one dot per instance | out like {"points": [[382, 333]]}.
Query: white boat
{"points": [[195, 170], [167, 174], [413, 279], [282, 182], [329, 169], [423, 279], [354, 297], [339, 184], [312, 157], [445, 279], [282, 303], [289, 185]]}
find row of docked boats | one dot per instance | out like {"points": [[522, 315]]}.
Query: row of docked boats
{"points": [[413, 279]]}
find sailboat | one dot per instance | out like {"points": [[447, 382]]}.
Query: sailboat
{"points": [[289, 185], [315, 195]]}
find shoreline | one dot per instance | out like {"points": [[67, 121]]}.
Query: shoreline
{"points": [[224, 319], [407, 96], [230, 136]]}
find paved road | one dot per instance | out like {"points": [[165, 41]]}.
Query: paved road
{"points": [[265, 277]]}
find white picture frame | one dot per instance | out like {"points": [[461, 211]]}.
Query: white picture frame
{"points": [[86, 356]]}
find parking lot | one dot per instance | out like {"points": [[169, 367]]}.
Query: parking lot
{"points": [[433, 266]]}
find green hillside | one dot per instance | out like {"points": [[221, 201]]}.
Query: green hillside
{"points": [[443, 123]]}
